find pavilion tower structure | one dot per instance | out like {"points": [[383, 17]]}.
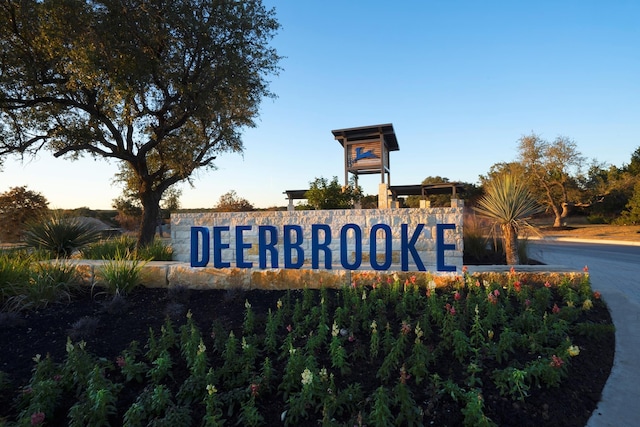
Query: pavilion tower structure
{"points": [[366, 151]]}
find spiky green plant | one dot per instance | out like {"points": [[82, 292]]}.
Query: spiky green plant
{"points": [[121, 274], [59, 235], [508, 204], [157, 250]]}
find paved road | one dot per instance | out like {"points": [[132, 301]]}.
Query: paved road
{"points": [[615, 272]]}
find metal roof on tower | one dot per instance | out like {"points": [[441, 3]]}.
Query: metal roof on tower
{"points": [[367, 133]]}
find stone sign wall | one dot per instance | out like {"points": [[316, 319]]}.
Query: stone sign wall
{"points": [[355, 239]]}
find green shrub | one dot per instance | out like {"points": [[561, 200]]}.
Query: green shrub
{"points": [[110, 248], [60, 236], [27, 282], [475, 239], [126, 245], [121, 274], [157, 250]]}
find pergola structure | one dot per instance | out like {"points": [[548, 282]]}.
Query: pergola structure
{"points": [[366, 151]]}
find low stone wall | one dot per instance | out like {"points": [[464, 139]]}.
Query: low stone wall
{"points": [[167, 274], [354, 239]]}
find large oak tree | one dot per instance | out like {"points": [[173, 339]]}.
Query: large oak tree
{"points": [[161, 85]]}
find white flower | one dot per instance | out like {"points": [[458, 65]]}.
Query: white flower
{"points": [[201, 348], [307, 377], [335, 330], [211, 389], [247, 304], [374, 327]]}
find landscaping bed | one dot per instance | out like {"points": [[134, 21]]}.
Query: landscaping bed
{"points": [[506, 350]]}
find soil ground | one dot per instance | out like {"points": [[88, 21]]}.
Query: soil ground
{"points": [[578, 230]]}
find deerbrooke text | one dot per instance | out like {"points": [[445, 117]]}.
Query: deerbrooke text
{"points": [[291, 244]]}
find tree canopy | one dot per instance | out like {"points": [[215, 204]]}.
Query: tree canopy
{"points": [[162, 86], [18, 207], [231, 202], [551, 169], [325, 194]]}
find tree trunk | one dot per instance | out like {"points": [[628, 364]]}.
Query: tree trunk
{"points": [[150, 214], [510, 241], [557, 221]]}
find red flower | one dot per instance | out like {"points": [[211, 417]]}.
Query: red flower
{"points": [[517, 286], [555, 309], [457, 296], [37, 418], [585, 269], [547, 284], [596, 295]]}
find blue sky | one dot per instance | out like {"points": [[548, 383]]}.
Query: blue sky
{"points": [[461, 82]]}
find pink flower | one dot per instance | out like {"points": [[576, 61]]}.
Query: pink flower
{"points": [[351, 338], [404, 376], [596, 295], [555, 309], [450, 309], [37, 418], [556, 361], [585, 269], [255, 388], [289, 328], [405, 328], [477, 283], [457, 296], [121, 362], [465, 269], [547, 284], [492, 299]]}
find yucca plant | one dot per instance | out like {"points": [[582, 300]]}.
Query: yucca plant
{"points": [[508, 204], [60, 236]]}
